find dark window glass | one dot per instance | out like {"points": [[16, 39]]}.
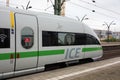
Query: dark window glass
{"points": [[49, 38], [4, 38], [27, 37], [91, 40], [80, 39]]}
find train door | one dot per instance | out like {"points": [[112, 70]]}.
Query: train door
{"points": [[7, 42], [26, 41]]}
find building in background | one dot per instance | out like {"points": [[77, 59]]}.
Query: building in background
{"points": [[102, 34], [116, 35]]}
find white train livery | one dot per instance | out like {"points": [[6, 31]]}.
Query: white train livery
{"points": [[31, 40]]}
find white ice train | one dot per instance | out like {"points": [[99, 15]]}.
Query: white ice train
{"points": [[31, 40]]}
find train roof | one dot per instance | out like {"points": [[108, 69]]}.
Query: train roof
{"points": [[37, 13], [46, 15]]}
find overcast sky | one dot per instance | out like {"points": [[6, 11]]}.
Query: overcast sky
{"points": [[105, 11]]}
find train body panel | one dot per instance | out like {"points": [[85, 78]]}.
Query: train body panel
{"points": [[7, 50], [30, 40], [58, 25], [26, 34]]}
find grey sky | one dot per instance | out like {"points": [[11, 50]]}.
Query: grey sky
{"points": [[109, 10]]}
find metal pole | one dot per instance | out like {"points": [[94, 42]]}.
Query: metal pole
{"points": [[108, 33], [7, 3], [57, 7], [27, 7], [108, 26], [83, 18]]}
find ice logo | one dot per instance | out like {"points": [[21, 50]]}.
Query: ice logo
{"points": [[3, 37]]}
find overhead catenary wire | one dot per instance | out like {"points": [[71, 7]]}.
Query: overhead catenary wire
{"points": [[23, 7], [11, 4], [92, 10], [117, 13]]}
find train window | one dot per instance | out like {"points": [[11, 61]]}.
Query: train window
{"points": [[4, 38], [49, 38], [66, 38], [69, 38], [80, 39], [91, 40], [27, 37], [61, 38]]}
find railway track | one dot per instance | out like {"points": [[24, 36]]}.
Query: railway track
{"points": [[111, 52], [112, 47]]}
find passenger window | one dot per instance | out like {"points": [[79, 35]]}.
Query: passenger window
{"points": [[61, 39], [80, 39], [66, 38], [4, 38], [49, 38], [91, 40], [27, 37]]}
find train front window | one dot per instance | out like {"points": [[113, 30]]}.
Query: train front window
{"points": [[27, 37], [4, 38]]}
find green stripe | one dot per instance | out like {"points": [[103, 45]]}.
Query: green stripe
{"points": [[91, 49], [6, 56], [41, 53], [51, 52], [28, 54]]}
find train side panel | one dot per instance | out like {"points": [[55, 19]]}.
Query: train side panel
{"points": [[26, 41], [7, 42], [93, 49], [58, 53], [42, 39]]}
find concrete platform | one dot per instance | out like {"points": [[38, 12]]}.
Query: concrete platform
{"points": [[108, 73], [100, 70], [110, 43]]}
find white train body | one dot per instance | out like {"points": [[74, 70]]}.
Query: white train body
{"points": [[30, 40]]}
